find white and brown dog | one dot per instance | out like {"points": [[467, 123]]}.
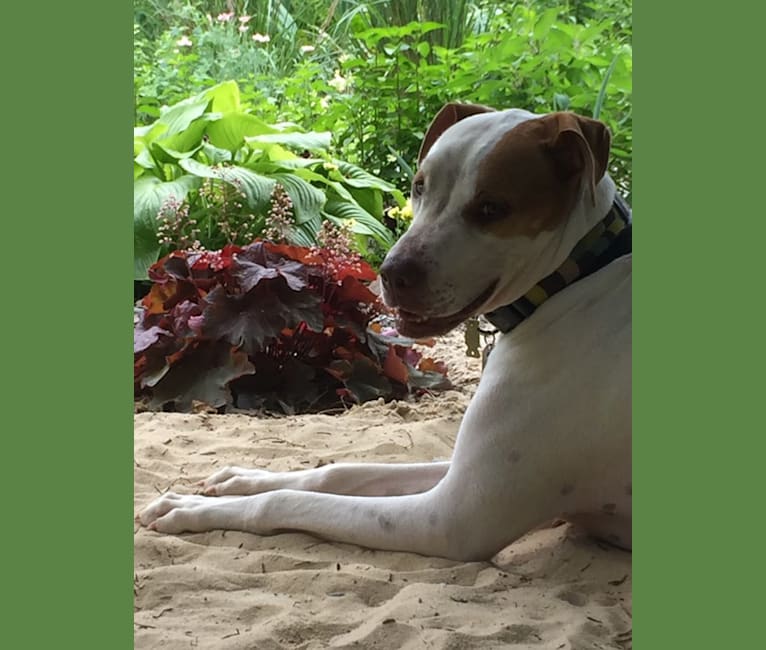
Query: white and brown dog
{"points": [[515, 216]]}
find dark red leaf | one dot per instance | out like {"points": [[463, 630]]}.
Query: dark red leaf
{"points": [[395, 368], [366, 381], [260, 315], [144, 338], [351, 290], [255, 264], [203, 376], [297, 253]]}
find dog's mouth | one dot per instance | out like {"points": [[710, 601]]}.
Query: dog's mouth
{"points": [[414, 325]]}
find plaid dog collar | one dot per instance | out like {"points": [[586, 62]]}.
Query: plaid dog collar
{"points": [[609, 239]]}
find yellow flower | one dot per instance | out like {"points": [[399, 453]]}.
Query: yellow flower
{"points": [[406, 212]]}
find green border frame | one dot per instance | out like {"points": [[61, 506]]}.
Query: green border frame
{"points": [[68, 450], [697, 329], [67, 235]]}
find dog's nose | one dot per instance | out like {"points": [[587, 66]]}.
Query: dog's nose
{"points": [[402, 275]]}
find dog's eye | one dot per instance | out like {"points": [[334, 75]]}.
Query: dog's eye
{"points": [[489, 210], [418, 186]]}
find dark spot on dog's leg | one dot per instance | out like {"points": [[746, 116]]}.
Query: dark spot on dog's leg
{"points": [[566, 489], [609, 508], [385, 523], [629, 489], [514, 456], [433, 518]]}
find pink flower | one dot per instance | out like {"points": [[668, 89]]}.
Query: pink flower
{"points": [[261, 38], [184, 41], [245, 19], [243, 28], [224, 18]]}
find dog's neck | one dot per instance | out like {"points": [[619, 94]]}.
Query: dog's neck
{"points": [[608, 239]]}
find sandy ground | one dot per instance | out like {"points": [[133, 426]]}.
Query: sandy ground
{"points": [[552, 589]]}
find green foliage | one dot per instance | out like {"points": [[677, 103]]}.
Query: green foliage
{"points": [[375, 72], [208, 173]]}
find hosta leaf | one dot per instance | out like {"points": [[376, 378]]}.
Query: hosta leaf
{"points": [[149, 193], [307, 199], [313, 140], [363, 222], [179, 116], [147, 134], [145, 160], [201, 375], [304, 234], [370, 200], [224, 97], [215, 155], [357, 177], [229, 132], [188, 140], [257, 188], [164, 154]]}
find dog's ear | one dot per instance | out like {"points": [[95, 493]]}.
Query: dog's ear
{"points": [[448, 115], [580, 145]]}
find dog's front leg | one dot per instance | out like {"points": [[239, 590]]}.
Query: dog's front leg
{"points": [[419, 523], [360, 479]]}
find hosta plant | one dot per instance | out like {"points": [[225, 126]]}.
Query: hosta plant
{"points": [[269, 326], [208, 174]]}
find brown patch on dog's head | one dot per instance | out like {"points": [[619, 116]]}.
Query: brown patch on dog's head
{"points": [[448, 115], [529, 182]]}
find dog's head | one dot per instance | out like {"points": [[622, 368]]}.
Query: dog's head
{"points": [[499, 200]]}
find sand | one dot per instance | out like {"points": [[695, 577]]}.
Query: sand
{"points": [[554, 588]]}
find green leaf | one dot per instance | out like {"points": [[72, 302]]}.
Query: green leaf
{"points": [[229, 132], [602, 90], [257, 188], [179, 116], [357, 177], [149, 193], [307, 199], [188, 140], [312, 140], [344, 210], [164, 154], [215, 155], [370, 200], [147, 134], [545, 22], [144, 158], [224, 97]]}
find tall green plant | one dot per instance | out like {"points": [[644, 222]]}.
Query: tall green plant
{"points": [[210, 170]]}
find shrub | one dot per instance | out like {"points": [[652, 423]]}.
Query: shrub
{"points": [[270, 326]]}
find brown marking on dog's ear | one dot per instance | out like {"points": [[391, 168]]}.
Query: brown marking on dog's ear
{"points": [[530, 181], [448, 115], [581, 146]]}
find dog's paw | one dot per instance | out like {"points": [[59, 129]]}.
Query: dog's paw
{"points": [[237, 481], [175, 513]]}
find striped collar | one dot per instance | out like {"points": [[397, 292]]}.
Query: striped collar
{"points": [[609, 239]]}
